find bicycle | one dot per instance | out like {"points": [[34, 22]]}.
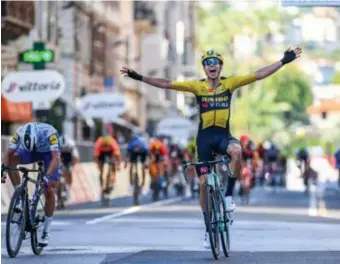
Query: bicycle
{"points": [[31, 215], [107, 190], [219, 219], [62, 192], [136, 186]]}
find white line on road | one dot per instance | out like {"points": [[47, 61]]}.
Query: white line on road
{"points": [[133, 209]]}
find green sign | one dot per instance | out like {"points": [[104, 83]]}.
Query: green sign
{"points": [[37, 56]]}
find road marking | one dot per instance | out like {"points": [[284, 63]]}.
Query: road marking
{"points": [[133, 209]]}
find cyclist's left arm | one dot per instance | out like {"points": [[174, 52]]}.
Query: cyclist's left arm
{"points": [[116, 149], [75, 155], [55, 152], [238, 81]]}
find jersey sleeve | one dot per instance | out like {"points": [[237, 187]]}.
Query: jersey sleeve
{"points": [[54, 142], [164, 151], [14, 141], [239, 81], [97, 146], [115, 147], [186, 86], [75, 152]]}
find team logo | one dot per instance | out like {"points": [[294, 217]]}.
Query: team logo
{"points": [[53, 140], [204, 170], [87, 106], [12, 87], [205, 105]]}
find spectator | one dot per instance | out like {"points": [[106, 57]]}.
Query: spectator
{"points": [[337, 163]]}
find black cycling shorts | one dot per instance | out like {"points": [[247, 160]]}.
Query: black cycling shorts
{"points": [[212, 140], [138, 155], [104, 155], [66, 158]]}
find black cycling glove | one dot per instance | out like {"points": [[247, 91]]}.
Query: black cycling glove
{"points": [[288, 56], [134, 75]]}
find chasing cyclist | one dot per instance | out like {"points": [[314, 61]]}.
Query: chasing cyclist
{"points": [[158, 165], [214, 98], [69, 158], [107, 148], [31, 143], [137, 149]]}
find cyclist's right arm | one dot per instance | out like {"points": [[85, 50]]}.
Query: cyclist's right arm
{"points": [[14, 144], [97, 149], [186, 86]]}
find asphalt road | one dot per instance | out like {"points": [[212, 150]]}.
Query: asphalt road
{"points": [[273, 228]]}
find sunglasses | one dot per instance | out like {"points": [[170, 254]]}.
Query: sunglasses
{"points": [[211, 61]]}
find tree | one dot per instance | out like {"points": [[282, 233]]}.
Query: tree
{"points": [[258, 113], [293, 87], [336, 78]]}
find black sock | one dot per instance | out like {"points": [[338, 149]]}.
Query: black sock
{"points": [[205, 221], [230, 188]]}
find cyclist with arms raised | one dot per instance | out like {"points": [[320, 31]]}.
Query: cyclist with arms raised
{"points": [[214, 98], [31, 143]]}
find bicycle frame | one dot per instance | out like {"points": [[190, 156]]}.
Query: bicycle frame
{"points": [[31, 203], [213, 181]]}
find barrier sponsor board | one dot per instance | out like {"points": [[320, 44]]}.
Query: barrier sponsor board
{"points": [[33, 86], [107, 106], [175, 127]]}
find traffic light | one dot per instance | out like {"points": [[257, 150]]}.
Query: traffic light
{"points": [[324, 115]]}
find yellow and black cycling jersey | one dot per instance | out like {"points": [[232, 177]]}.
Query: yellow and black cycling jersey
{"points": [[214, 104]]}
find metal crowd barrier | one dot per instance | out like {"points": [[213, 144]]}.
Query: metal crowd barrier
{"points": [[85, 149]]}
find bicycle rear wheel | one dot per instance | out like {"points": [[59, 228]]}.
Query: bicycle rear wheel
{"points": [[15, 216], [212, 221], [225, 232]]}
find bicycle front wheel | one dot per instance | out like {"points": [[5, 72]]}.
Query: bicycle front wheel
{"points": [[225, 232], [16, 218], [38, 224], [212, 221]]}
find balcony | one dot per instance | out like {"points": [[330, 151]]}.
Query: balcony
{"points": [[145, 17], [17, 18]]}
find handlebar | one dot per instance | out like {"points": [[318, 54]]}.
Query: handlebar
{"points": [[24, 170], [224, 159]]}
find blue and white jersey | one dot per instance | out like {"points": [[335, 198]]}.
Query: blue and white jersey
{"points": [[137, 145], [47, 138]]}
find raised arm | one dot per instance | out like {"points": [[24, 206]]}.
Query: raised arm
{"points": [[157, 82], [185, 86], [288, 57]]}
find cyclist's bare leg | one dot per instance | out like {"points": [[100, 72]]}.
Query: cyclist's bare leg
{"points": [[144, 169], [112, 177], [101, 180], [234, 150], [203, 181], [50, 198], [68, 176], [130, 173], [13, 161]]}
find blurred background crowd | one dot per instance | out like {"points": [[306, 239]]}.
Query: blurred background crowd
{"points": [[297, 108]]}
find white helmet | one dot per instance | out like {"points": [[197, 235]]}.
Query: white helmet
{"points": [[30, 138]]}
